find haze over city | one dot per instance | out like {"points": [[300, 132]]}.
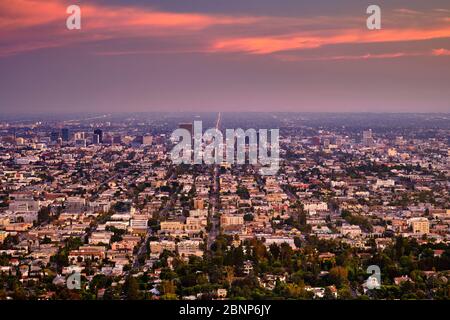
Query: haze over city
{"points": [[224, 56]]}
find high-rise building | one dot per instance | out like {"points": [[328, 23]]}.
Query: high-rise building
{"points": [[65, 134], [54, 136], [99, 132], [95, 139], [138, 140], [143, 140], [79, 136], [368, 138]]}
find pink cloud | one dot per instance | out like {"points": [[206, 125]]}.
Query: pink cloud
{"points": [[27, 25], [291, 58], [20, 19], [22, 14], [441, 52], [266, 45], [406, 11]]}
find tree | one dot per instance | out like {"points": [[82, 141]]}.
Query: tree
{"points": [[229, 274], [274, 250], [338, 276], [286, 254], [46, 240], [131, 289], [345, 293], [168, 289], [243, 192], [10, 241]]}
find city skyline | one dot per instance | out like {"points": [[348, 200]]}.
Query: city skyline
{"points": [[97, 208], [255, 56]]}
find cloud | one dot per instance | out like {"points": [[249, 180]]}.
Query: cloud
{"points": [[23, 14], [440, 10], [367, 56], [27, 25], [406, 11], [388, 55], [267, 45], [441, 52]]}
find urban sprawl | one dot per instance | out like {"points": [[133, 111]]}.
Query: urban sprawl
{"points": [[99, 197]]}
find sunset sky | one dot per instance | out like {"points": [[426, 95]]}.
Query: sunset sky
{"points": [[224, 55]]}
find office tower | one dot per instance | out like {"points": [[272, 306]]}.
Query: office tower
{"points": [[367, 138], [143, 140], [95, 139], [79, 136], [65, 134], [367, 134], [138, 140], [54, 135], [99, 132]]}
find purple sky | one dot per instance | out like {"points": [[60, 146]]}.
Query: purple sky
{"points": [[216, 55]]}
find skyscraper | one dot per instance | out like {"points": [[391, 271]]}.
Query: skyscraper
{"points": [[54, 136], [367, 138], [65, 134], [99, 133], [96, 139]]}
